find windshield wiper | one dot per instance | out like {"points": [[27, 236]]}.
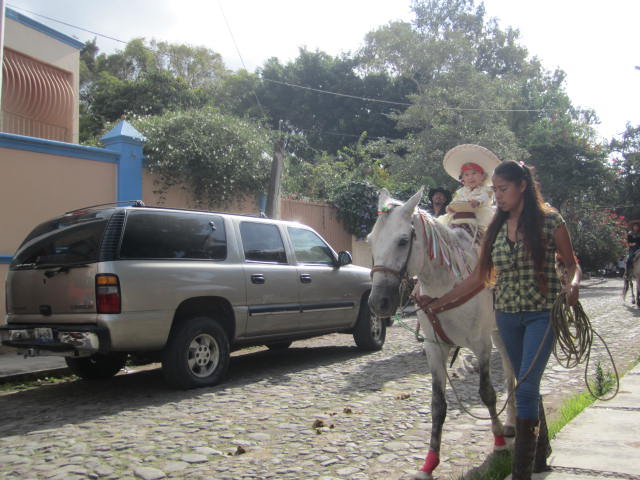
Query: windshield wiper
{"points": [[59, 268], [24, 266]]}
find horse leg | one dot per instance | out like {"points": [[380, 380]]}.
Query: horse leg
{"points": [[509, 383], [437, 357], [488, 397]]}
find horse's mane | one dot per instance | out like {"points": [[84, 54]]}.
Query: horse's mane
{"points": [[455, 245], [455, 235]]}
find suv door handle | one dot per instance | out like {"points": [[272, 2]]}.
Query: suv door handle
{"points": [[305, 278], [257, 278]]}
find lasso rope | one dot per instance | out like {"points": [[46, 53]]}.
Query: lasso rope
{"points": [[574, 339]]}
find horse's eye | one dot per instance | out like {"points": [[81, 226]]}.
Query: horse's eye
{"points": [[402, 242]]}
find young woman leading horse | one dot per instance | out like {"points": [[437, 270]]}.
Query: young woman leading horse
{"points": [[410, 242], [518, 251]]}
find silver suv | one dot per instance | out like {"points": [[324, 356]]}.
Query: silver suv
{"points": [[182, 287]]}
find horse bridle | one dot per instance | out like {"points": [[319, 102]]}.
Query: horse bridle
{"points": [[402, 273]]}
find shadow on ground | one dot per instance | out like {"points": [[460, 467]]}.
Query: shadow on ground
{"points": [[76, 401]]}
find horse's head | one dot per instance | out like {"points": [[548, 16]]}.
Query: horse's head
{"points": [[391, 241]]}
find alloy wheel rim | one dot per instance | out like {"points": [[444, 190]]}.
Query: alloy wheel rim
{"points": [[203, 355]]}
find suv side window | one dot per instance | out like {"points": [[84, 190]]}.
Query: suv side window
{"points": [[262, 243], [310, 248], [169, 235]]}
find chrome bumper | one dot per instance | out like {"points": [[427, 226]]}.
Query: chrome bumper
{"points": [[48, 341]]}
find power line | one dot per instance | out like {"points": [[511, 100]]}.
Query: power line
{"points": [[367, 99], [67, 24], [327, 92], [233, 39]]}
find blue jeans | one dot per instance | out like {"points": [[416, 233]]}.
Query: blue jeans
{"points": [[523, 334]]}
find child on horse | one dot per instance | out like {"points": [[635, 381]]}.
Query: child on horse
{"points": [[472, 206]]}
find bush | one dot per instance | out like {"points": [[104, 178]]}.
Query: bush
{"points": [[357, 205], [217, 157], [598, 235]]}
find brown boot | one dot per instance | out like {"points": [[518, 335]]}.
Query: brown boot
{"points": [[525, 448], [543, 447]]}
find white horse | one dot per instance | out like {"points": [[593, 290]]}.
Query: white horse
{"points": [[407, 241]]}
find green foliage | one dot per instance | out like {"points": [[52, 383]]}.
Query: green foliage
{"points": [[218, 157], [569, 410], [598, 235], [603, 381], [144, 79], [357, 206], [627, 167], [569, 167], [330, 122]]}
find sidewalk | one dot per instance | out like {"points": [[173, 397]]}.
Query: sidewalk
{"points": [[15, 368], [603, 441]]}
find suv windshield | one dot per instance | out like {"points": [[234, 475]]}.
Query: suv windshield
{"points": [[67, 240]]}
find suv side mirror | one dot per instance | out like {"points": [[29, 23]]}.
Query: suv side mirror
{"points": [[344, 258]]}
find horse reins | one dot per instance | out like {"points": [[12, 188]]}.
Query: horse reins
{"points": [[424, 301]]}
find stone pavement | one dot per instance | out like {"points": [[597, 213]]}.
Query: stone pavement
{"points": [[320, 410]]}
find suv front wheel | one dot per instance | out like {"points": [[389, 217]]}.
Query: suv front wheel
{"points": [[196, 354], [370, 331]]}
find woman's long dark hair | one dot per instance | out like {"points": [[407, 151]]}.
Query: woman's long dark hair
{"points": [[530, 223]]}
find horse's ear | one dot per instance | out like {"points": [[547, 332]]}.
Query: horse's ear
{"points": [[383, 198], [413, 202]]}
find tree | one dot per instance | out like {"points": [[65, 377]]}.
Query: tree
{"points": [[144, 79], [598, 235], [217, 157], [293, 94], [627, 167], [477, 84]]}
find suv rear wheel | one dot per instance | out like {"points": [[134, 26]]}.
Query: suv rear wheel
{"points": [[97, 366], [197, 354], [370, 331]]}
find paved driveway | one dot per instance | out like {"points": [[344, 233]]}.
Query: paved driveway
{"points": [[321, 409]]}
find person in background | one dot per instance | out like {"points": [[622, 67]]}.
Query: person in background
{"points": [[518, 256], [633, 241], [439, 198]]}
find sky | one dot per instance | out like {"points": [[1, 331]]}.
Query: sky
{"points": [[594, 42]]}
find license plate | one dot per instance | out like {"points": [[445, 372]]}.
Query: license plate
{"points": [[43, 334]]}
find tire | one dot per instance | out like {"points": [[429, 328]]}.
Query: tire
{"points": [[196, 355], [278, 345], [97, 367], [370, 331]]}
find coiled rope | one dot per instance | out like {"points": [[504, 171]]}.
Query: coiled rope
{"points": [[574, 339]]}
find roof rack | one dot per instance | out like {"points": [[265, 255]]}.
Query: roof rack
{"points": [[135, 203]]}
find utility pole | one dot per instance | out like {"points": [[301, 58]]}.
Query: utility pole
{"points": [[272, 209]]}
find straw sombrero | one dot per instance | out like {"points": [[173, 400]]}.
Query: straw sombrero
{"points": [[469, 153]]}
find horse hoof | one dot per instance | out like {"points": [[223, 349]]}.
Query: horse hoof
{"points": [[509, 431], [420, 475]]}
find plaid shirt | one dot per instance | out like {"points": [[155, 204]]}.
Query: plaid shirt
{"points": [[516, 287]]}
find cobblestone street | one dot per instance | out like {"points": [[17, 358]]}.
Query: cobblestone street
{"points": [[319, 410]]}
